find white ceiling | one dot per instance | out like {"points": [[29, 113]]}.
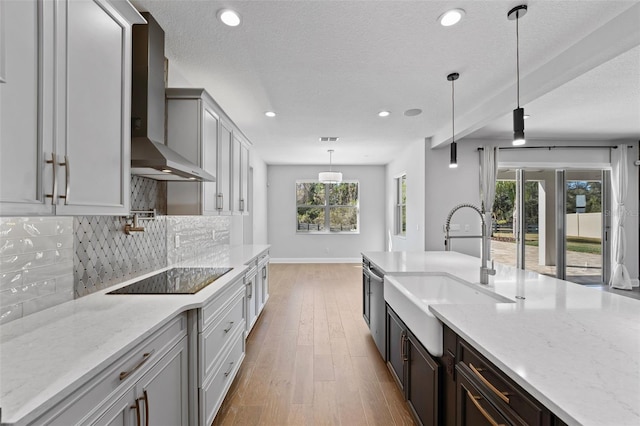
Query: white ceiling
{"points": [[328, 67]]}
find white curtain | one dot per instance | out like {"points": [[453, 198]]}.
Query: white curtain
{"points": [[488, 175], [619, 274]]}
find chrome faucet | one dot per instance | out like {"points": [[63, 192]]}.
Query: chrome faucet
{"points": [[485, 271]]}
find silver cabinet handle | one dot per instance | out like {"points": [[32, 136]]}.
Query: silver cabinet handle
{"points": [[219, 201], [226, 330], [146, 407], [250, 289], [241, 205], [54, 191], [67, 185]]}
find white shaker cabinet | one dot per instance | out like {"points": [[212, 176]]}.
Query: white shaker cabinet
{"points": [[192, 131], [65, 109], [225, 168], [26, 89], [244, 179]]}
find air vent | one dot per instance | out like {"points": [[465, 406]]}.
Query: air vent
{"points": [[328, 139]]}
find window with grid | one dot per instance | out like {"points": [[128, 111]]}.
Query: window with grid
{"points": [[401, 205], [327, 208]]}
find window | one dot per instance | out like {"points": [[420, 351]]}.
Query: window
{"points": [[324, 208], [401, 205]]}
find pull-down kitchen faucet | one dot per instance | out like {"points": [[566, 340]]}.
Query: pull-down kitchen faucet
{"points": [[485, 271]]}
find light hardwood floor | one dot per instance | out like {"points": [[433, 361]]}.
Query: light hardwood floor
{"points": [[310, 358]]}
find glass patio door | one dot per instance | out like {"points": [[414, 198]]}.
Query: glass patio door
{"points": [[552, 222]]}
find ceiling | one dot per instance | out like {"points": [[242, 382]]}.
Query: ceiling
{"points": [[328, 67]]}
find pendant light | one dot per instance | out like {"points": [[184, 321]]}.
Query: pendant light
{"points": [[453, 160], [330, 176], [518, 113]]}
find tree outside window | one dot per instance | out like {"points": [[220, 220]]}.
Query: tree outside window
{"points": [[324, 208]]}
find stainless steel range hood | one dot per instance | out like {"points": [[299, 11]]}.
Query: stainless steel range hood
{"points": [[150, 157]]}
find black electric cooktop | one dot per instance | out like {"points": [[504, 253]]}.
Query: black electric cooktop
{"points": [[174, 281]]}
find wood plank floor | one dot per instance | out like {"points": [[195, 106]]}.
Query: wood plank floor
{"points": [[310, 357]]}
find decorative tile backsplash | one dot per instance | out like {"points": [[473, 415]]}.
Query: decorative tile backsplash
{"points": [[36, 264], [105, 255], [45, 261]]}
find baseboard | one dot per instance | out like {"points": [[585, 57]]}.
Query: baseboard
{"points": [[315, 260]]}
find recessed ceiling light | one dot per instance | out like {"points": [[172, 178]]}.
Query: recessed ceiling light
{"points": [[192, 178], [229, 17], [166, 171], [413, 112], [451, 17], [383, 114], [270, 114], [527, 116]]}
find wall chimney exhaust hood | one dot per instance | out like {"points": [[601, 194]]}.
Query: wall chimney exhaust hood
{"points": [[150, 157]]}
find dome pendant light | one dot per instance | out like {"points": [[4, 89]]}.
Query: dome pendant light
{"points": [[330, 176], [518, 113], [453, 161]]}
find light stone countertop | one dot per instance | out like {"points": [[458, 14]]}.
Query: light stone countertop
{"points": [[45, 356], [575, 349]]}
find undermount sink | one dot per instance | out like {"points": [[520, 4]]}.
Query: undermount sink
{"points": [[411, 295]]}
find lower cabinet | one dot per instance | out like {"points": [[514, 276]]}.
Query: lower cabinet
{"points": [[159, 397], [250, 281], [484, 394], [221, 348], [146, 386], [415, 371]]}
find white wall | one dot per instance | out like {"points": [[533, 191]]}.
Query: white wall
{"points": [[444, 189], [287, 245], [260, 206], [411, 162]]}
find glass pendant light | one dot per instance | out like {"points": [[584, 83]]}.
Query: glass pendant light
{"points": [[518, 113], [453, 154]]}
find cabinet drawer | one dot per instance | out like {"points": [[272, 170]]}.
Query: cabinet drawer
{"points": [[116, 377], [216, 337], [215, 388], [473, 408], [506, 395], [215, 307]]}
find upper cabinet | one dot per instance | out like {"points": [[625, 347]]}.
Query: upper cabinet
{"points": [[192, 131], [199, 130], [65, 95]]}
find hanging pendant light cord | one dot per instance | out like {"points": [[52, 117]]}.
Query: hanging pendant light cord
{"points": [[453, 114], [517, 59]]}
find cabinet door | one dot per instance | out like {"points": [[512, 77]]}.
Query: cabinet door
{"points": [[396, 348], [164, 389], [26, 87], [423, 383], [209, 157], [93, 107], [265, 283], [251, 303], [473, 409], [123, 412], [224, 169], [244, 179], [235, 173]]}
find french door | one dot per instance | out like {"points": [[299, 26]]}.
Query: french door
{"points": [[553, 222]]}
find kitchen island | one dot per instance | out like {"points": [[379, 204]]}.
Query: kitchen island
{"points": [[575, 349], [47, 356]]}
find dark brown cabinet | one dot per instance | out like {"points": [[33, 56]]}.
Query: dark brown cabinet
{"points": [[415, 371], [484, 395]]}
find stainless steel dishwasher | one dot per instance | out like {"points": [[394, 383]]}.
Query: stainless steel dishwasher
{"points": [[373, 307]]}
